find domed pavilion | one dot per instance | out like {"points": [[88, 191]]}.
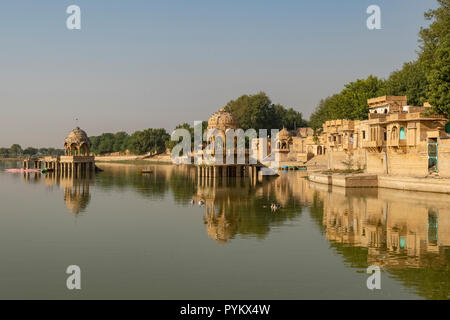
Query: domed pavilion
{"points": [[219, 123], [77, 160], [223, 120], [284, 140], [77, 143]]}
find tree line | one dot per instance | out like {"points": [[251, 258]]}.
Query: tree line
{"points": [[139, 143], [427, 79], [16, 151]]}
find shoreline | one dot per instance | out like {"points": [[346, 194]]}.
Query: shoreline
{"points": [[429, 185]]}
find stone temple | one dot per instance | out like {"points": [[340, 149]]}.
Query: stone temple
{"points": [[77, 160], [220, 122]]}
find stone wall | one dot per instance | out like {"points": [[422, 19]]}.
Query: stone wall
{"points": [[444, 158], [412, 164], [376, 163], [336, 159]]}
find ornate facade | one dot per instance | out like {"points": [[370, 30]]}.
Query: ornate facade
{"points": [[396, 139]]}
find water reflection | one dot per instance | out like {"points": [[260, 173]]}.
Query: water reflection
{"points": [[406, 233], [76, 189]]}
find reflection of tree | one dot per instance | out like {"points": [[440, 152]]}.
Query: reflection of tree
{"points": [[182, 184], [152, 186]]}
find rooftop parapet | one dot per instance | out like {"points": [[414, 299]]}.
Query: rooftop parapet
{"points": [[385, 100]]}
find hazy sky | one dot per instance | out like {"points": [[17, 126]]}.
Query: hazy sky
{"points": [[140, 64]]}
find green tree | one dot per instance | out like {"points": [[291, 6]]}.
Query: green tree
{"points": [[434, 55], [350, 103], [322, 113], [4, 152], [120, 141], [254, 111], [30, 151], [150, 140], [289, 118], [258, 112], [106, 143], [15, 150], [409, 81]]}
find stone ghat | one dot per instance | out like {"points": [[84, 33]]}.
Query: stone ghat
{"points": [[346, 180], [436, 185]]}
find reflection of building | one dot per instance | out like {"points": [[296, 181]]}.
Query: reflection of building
{"points": [[76, 194], [399, 228], [77, 160], [76, 190], [237, 207], [222, 202]]}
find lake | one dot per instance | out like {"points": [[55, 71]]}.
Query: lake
{"points": [[139, 237]]}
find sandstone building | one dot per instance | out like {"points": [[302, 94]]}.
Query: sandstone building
{"points": [[397, 139]]}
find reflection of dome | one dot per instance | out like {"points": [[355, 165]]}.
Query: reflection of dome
{"points": [[284, 134], [77, 200], [222, 120], [219, 228]]}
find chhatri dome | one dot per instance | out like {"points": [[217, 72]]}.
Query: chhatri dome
{"points": [[284, 134], [77, 143], [284, 138], [222, 120]]}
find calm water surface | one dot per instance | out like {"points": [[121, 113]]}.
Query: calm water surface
{"points": [[139, 236]]}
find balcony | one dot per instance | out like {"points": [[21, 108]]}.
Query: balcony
{"points": [[372, 144]]}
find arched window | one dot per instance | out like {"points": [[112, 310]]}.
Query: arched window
{"points": [[319, 150], [394, 133], [402, 133]]}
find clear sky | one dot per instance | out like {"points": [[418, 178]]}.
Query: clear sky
{"points": [[140, 64]]}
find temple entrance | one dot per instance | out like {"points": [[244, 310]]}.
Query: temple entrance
{"points": [[432, 156]]}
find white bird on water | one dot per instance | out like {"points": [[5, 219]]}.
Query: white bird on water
{"points": [[275, 207]]}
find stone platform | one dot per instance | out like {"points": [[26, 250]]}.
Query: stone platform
{"points": [[437, 185], [346, 180]]}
